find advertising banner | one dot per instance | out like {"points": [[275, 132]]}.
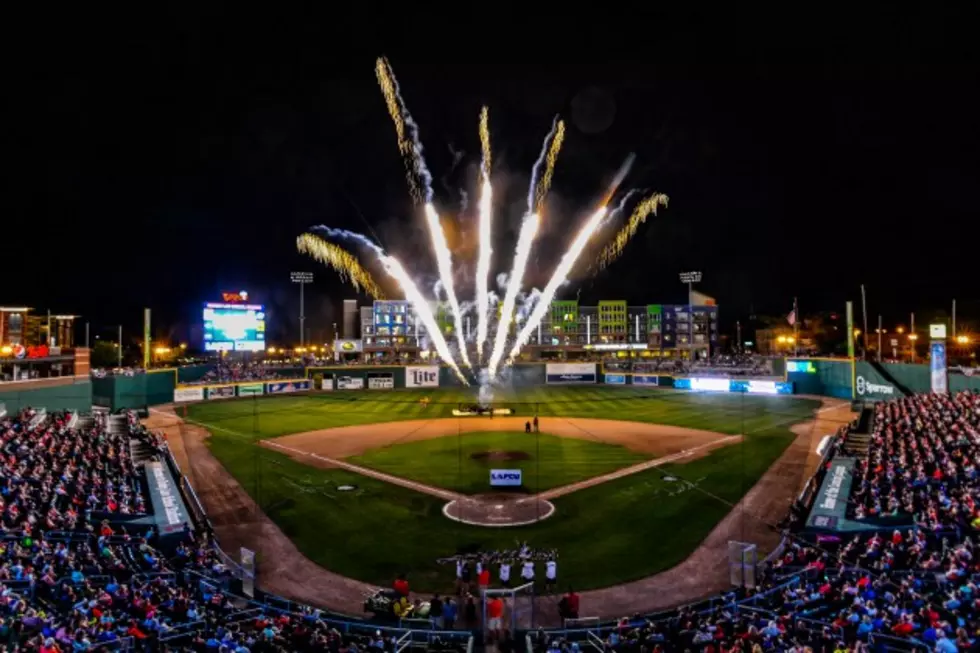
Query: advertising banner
{"points": [[505, 478], [616, 379], [557, 373], [221, 391], [188, 394], [937, 366], [341, 347], [381, 383], [288, 386], [418, 376], [250, 389], [168, 507], [350, 383], [830, 506], [869, 385], [646, 379]]}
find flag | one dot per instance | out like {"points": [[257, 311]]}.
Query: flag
{"points": [[700, 299], [791, 318]]}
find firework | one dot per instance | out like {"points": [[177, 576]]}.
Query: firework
{"points": [[394, 267], [444, 261], [485, 140], [557, 279], [549, 171], [547, 158], [643, 210], [486, 246], [317, 247], [345, 263], [524, 241], [407, 132]]}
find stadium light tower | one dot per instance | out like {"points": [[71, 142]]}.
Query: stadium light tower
{"points": [[690, 278], [302, 278]]}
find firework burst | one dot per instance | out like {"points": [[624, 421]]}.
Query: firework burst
{"points": [[534, 304]]}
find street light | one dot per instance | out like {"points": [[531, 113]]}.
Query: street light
{"points": [[302, 278], [690, 278], [963, 340]]}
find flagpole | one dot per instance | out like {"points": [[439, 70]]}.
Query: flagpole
{"points": [[796, 328]]}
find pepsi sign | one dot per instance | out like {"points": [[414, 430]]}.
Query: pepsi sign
{"points": [[505, 478]]}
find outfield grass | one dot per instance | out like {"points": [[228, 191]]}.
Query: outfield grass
{"points": [[611, 533], [457, 463]]}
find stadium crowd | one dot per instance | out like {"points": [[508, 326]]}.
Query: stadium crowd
{"points": [[72, 578], [239, 371]]}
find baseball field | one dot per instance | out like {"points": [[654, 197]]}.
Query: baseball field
{"points": [[359, 481]]}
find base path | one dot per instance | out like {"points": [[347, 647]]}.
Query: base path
{"points": [[346, 441], [285, 571]]}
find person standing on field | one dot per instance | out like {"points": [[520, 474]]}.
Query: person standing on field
{"points": [[536, 424]]}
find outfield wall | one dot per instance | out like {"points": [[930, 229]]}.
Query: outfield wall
{"points": [[61, 394]]}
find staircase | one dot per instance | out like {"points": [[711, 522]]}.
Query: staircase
{"points": [[857, 444], [140, 452]]}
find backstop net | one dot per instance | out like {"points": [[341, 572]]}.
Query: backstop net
{"points": [[518, 614]]}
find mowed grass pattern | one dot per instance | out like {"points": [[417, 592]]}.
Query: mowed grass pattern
{"points": [[272, 416], [459, 463], [608, 534]]}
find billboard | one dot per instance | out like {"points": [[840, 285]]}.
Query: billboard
{"points": [[937, 366], [386, 382], [616, 379], [350, 383], [750, 386], [419, 376], [505, 478], [248, 389], [646, 379], [188, 394], [221, 391], [234, 327], [570, 373], [287, 386]]}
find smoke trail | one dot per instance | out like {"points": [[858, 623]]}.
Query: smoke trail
{"points": [[345, 263], [644, 209], [619, 207], [407, 132], [528, 231], [395, 269], [444, 261], [557, 279], [557, 126]]}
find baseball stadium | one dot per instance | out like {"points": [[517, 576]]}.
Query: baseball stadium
{"points": [[322, 487]]}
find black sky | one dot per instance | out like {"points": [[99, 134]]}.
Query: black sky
{"points": [[166, 161]]}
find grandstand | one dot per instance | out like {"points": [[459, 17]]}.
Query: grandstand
{"points": [[105, 545]]}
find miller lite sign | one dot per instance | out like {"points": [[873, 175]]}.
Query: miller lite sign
{"points": [[418, 376], [505, 478]]}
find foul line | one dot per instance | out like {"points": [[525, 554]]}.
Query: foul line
{"points": [[372, 473], [626, 471]]}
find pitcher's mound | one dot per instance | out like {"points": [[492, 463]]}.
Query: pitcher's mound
{"points": [[500, 456], [498, 510]]}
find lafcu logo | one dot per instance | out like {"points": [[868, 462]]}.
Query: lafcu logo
{"points": [[505, 476]]}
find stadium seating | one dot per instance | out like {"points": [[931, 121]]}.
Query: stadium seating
{"points": [[69, 579]]}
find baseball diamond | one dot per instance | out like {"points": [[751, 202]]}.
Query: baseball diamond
{"points": [[638, 479]]}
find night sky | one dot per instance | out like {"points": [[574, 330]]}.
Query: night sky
{"points": [[163, 163]]}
